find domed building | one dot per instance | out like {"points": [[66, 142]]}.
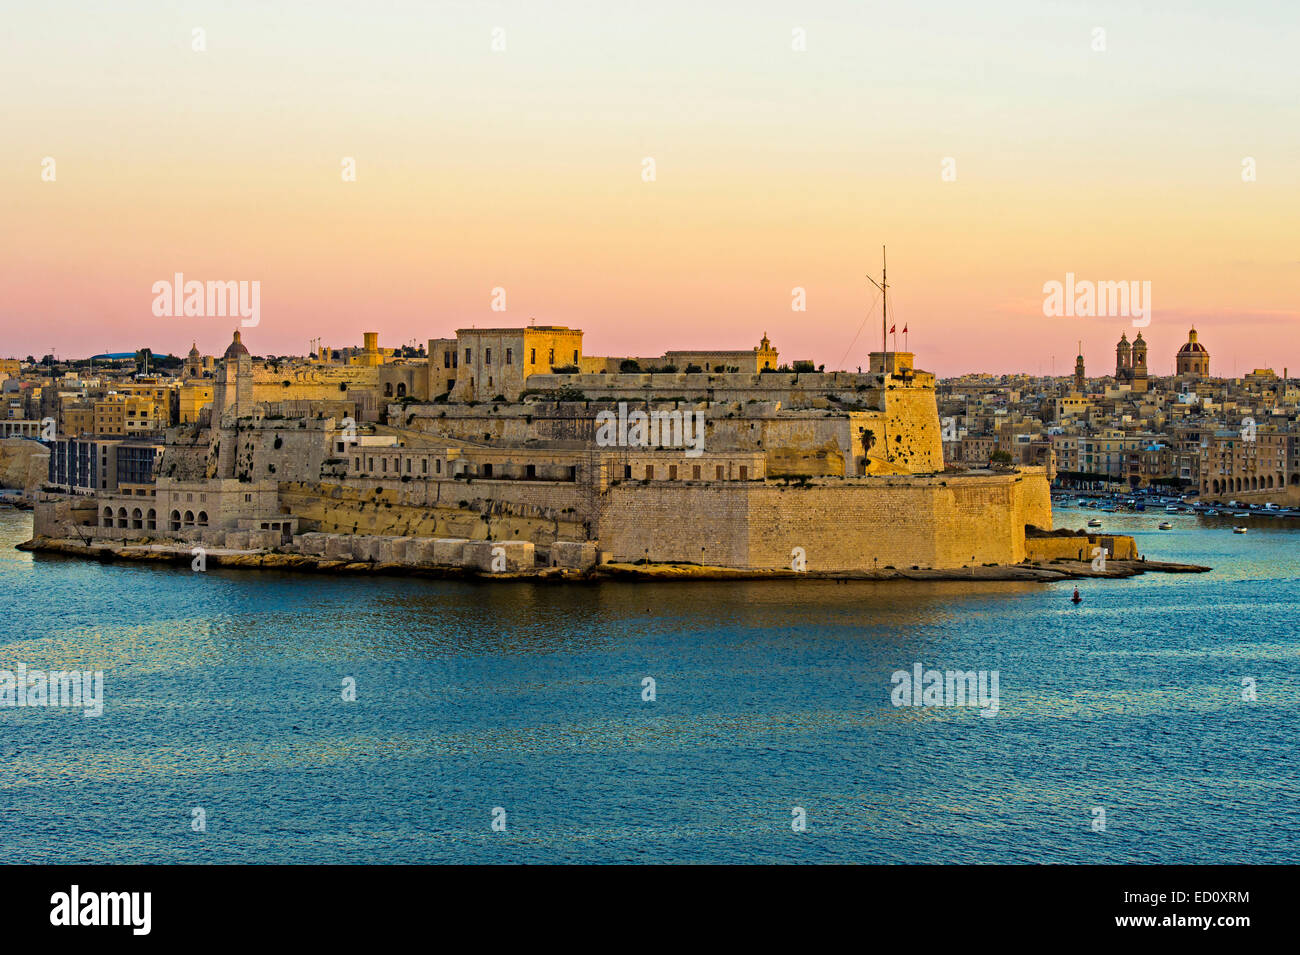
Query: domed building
{"points": [[1192, 358], [193, 363], [233, 391]]}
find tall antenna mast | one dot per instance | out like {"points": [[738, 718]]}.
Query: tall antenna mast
{"points": [[883, 285]]}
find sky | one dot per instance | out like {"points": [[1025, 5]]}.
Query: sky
{"points": [[994, 147]]}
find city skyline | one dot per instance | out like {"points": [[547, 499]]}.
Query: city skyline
{"points": [[505, 148], [1096, 366]]}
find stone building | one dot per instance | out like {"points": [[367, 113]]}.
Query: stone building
{"points": [[1192, 358], [1131, 362]]}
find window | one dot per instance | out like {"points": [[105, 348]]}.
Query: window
{"points": [[509, 355], [408, 465], [487, 470], [719, 472], [424, 466], [530, 471], [695, 472], [446, 359], [575, 356], [532, 356], [437, 465], [744, 473], [672, 472], [487, 356], [467, 358], [384, 462], [649, 472], [627, 471]]}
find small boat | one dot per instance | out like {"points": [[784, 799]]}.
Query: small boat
{"points": [[1211, 513], [1239, 530], [1172, 509], [1094, 523], [1076, 598], [1242, 514], [1166, 526]]}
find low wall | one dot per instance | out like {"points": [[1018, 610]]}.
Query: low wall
{"points": [[1081, 548]]}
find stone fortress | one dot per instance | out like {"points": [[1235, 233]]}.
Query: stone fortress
{"points": [[484, 452]]}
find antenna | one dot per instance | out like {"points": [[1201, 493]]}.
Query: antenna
{"points": [[883, 285]]}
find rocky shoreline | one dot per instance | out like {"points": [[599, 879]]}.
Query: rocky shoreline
{"points": [[1041, 572]]}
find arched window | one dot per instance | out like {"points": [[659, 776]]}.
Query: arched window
{"points": [[151, 520], [189, 518], [108, 517], [203, 518], [121, 517], [388, 389], [137, 519], [176, 520], [401, 389]]}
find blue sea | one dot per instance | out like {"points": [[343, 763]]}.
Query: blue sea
{"points": [[225, 735]]}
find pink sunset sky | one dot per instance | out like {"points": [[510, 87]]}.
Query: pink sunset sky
{"points": [[790, 141]]}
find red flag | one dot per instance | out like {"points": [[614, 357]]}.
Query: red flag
{"points": [[891, 329], [904, 329]]}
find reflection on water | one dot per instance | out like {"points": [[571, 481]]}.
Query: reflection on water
{"points": [[223, 690]]}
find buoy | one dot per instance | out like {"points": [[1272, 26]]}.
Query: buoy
{"points": [[1076, 598]]}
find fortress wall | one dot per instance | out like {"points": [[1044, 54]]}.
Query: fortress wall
{"points": [[802, 445], [24, 463], [702, 524], [809, 444], [938, 522], [789, 388], [914, 435], [855, 527], [301, 452], [539, 513], [1035, 498]]}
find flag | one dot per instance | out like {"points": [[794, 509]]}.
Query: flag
{"points": [[891, 329], [904, 329]]}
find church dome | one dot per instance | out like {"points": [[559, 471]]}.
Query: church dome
{"points": [[194, 351], [236, 348], [1193, 347]]}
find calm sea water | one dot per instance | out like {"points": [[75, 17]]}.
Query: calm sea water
{"points": [[223, 691]]}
